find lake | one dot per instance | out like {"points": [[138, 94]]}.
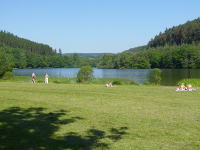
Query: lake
{"points": [[169, 76]]}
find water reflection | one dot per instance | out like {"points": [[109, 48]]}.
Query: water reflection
{"points": [[172, 76]]}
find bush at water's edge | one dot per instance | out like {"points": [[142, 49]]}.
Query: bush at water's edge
{"points": [[194, 82]]}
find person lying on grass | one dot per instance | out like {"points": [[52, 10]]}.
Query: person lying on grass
{"points": [[189, 87], [109, 85], [185, 88]]}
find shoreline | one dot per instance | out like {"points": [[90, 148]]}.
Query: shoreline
{"points": [[66, 80]]}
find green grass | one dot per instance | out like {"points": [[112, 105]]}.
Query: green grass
{"points": [[81, 116], [62, 80]]}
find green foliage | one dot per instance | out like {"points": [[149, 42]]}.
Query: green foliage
{"points": [[117, 82], [194, 82], [85, 74], [28, 54], [187, 33], [184, 56], [178, 47], [124, 60], [155, 76], [10, 40], [8, 76], [6, 62]]}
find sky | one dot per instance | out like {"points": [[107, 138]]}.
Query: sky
{"points": [[94, 26]]}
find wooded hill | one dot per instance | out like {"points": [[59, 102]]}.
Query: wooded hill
{"points": [[10, 40], [16, 52], [177, 47], [188, 33]]}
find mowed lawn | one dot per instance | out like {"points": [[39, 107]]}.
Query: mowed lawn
{"points": [[73, 116]]}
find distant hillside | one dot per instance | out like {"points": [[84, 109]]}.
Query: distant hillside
{"points": [[16, 52], [136, 49], [177, 47], [10, 40], [187, 33], [87, 55]]}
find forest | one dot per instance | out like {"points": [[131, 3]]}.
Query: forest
{"points": [[178, 47], [17, 52]]}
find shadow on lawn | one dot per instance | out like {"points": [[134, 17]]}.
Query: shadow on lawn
{"points": [[33, 129]]}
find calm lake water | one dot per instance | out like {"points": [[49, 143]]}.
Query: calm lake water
{"points": [[169, 76]]}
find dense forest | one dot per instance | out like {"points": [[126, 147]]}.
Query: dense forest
{"points": [[17, 52], [177, 47], [188, 33], [10, 40]]}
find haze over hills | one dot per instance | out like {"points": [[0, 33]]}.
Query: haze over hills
{"points": [[138, 48], [87, 55]]}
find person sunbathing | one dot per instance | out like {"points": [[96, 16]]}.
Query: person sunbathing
{"points": [[189, 87], [183, 87], [109, 85]]}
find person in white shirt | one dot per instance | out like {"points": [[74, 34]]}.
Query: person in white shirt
{"points": [[46, 79], [33, 77]]}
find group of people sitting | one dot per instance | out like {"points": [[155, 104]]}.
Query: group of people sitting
{"points": [[182, 87], [46, 78]]}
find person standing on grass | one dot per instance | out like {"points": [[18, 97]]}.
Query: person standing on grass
{"points": [[33, 77], [46, 79]]}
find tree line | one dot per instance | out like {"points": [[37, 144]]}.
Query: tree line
{"points": [[177, 56], [19, 58], [187, 33], [177, 47], [10, 40], [16, 52]]}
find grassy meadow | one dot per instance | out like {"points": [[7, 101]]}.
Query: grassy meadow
{"points": [[91, 116]]}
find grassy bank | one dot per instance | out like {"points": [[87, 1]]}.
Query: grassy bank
{"points": [[81, 116], [62, 80]]}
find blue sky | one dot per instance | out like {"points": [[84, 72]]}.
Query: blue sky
{"points": [[94, 25]]}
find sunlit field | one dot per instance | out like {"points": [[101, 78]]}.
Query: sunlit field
{"points": [[80, 116]]}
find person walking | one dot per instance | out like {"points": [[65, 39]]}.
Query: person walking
{"points": [[46, 79], [33, 77]]}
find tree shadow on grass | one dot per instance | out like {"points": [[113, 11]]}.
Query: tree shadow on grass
{"points": [[34, 129]]}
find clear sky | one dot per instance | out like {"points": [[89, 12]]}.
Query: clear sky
{"points": [[94, 25]]}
